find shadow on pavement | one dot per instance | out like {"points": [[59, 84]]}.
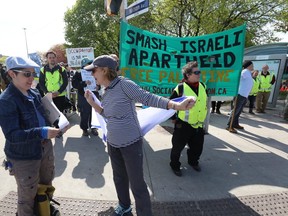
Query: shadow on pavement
{"points": [[232, 164]]}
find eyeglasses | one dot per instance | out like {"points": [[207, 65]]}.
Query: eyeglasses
{"points": [[26, 73], [193, 72]]}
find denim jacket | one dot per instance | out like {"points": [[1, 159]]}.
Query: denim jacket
{"points": [[19, 123]]}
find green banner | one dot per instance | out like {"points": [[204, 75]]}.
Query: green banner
{"points": [[154, 61]]}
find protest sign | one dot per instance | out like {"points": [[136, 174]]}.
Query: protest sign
{"points": [[75, 55], [154, 61]]}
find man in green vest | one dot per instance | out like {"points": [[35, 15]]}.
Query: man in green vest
{"points": [[189, 124], [266, 80], [53, 78]]}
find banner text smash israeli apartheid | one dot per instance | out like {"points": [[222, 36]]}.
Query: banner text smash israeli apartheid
{"points": [[154, 61]]}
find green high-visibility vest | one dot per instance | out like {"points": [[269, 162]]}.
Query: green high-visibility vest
{"points": [[265, 85], [195, 116], [255, 87], [53, 81]]}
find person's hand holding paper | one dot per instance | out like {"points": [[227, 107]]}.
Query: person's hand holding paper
{"points": [[54, 115]]}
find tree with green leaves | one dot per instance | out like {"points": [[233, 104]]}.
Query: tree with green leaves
{"points": [[183, 18], [87, 24]]}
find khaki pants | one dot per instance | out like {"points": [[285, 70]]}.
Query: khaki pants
{"points": [[30, 173], [261, 101]]}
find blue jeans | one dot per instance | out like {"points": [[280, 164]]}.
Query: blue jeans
{"points": [[240, 103]]}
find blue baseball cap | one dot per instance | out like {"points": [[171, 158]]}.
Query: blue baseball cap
{"points": [[86, 61], [102, 61], [14, 62]]}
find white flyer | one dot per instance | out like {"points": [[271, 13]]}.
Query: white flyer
{"points": [[87, 76], [53, 113]]}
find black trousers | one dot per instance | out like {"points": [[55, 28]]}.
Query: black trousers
{"points": [[184, 134], [216, 105], [252, 99], [85, 110], [60, 103], [127, 166]]}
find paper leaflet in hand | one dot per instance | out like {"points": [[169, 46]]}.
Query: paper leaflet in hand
{"points": [[97, 120], [86, 76], [63, 122], [148, 118], [52, 112]]}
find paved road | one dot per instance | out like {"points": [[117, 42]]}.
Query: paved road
{"points": [[236, 168]]}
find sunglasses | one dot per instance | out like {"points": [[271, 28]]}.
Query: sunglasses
{"points": [[193, 72], [26, 73], [93, 71]]}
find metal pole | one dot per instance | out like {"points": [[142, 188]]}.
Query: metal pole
{"points": [[26, 41], [207, 120], [211, 59], [122, 10]]}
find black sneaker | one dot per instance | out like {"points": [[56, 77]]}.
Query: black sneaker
{"points": [[85, 133], [94, 131], [195, 167], [218, 112], [120, 211], [177, 172]]}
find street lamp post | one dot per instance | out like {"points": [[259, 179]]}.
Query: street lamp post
{"points": [[26, 41]]}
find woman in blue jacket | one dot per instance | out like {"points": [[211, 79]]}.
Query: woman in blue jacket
{"points": [[28, 146]]}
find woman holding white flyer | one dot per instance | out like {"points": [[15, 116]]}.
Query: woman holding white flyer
{"points": [[124, 136]]}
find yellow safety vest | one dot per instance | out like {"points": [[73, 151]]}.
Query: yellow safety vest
{"points": [[195, 116], [53, 81], [255, 87], [265, 85]]}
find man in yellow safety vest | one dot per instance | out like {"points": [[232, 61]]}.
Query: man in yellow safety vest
{"points": [[53, 78], [266, 80]]}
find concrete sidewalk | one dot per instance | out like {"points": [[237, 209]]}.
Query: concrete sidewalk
{"points": [[235, 167]]}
